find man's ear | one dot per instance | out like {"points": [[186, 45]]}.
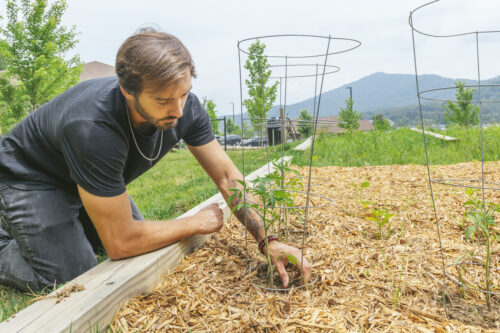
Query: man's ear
{"points": [[125, 93]]}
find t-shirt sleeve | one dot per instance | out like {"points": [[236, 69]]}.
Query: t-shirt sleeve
{"points": [[96, 156], [200, 130]]}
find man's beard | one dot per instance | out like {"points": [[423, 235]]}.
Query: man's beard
{"points": [[156, 123]]}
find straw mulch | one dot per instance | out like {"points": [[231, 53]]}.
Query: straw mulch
{"points": [[357, 275]]}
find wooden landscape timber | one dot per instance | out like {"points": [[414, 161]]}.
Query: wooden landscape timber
{"points": [[439, 136], [89, 302]]}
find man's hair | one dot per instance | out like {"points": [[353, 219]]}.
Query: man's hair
{"points": [[153, 59]]}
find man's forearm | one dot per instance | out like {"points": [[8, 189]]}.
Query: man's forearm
{"points": [[147, 236], [247, 217]]}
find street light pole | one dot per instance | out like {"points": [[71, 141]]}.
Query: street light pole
{"points": [[233, 110], [350, 91]]}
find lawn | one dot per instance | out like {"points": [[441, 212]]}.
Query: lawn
{"points": [[402, 146]]}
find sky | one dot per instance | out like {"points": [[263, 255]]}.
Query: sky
{"points": [[212, 29]]}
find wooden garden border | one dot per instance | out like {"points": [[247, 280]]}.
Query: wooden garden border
{"points": [[110, 284], [304, 145], [439, 136]]}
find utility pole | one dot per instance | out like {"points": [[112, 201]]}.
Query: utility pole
{"points": [[350, 91], [233, 110], [225, 134]]}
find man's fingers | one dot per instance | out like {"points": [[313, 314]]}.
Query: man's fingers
{"points": [[280, 268], [306, 270]]}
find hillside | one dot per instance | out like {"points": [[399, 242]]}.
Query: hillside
{"points": [[394, 95]]}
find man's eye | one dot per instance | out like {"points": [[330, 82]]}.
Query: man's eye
{"points": [[164, 103]]}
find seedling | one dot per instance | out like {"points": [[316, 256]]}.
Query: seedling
{"points": [[461, 270], [482, 218], [381, 217], [291, 180], [272, 191]]}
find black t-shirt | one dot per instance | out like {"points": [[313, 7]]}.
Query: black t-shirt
{"points": [[83, 137]]}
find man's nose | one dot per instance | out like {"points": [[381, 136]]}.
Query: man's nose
{"points": [[178, 109]]}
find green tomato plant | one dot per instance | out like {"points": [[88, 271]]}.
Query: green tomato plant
{"points": [[272, 191], [290, 179], [381, 217], [480, 216]]}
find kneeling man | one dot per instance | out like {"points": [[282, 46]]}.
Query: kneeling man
{"points": [[65, 167]]}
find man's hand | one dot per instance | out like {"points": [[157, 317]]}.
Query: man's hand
{"points": [[278, 252], [211, 219]]}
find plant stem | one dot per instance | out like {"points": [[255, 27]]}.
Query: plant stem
{"points": [[268, 256], [386, 265], [487, 266], [286, 225]]}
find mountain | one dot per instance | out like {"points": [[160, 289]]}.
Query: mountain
{"points": [[395, 96]]}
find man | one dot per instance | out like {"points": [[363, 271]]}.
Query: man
{"points": [[64, 169]]}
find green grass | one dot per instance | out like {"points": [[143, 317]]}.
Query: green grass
{"points": [[12, 301], [176, 184], [401, 146]]}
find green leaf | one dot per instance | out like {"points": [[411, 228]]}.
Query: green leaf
{"points": [[469, 232], [292, 259], [365, 184], [366, 203]]}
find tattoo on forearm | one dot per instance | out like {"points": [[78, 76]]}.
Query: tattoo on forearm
{"points": [[247, 217]]}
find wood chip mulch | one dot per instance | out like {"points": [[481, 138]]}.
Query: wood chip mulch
{"points": [[357, 275]]}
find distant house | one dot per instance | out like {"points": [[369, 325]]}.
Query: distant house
{"points": [[330, 125], [96, 69]]}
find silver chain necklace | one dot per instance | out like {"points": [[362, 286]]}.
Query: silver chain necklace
{"points": [[135, 141]]}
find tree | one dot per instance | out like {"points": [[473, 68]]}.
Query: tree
{"points": [[35, 46], [231, 127], [349, 117], [380, 123], [3, 54], [305, 127], [463, 112], [209, 105], [262, 97], [248, 131]]}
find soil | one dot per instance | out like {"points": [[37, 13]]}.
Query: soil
{"points": [[363, 283]]}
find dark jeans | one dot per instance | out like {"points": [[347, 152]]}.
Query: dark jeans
{"points": [[46, 237]]}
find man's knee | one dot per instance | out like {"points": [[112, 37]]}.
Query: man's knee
{"points": [[69, 256]]}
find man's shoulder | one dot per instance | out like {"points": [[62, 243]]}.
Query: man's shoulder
{"points": [[193, 100], [96, 111], [93, 100]]}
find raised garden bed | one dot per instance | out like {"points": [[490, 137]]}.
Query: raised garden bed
{"points": [[364, 282]]}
